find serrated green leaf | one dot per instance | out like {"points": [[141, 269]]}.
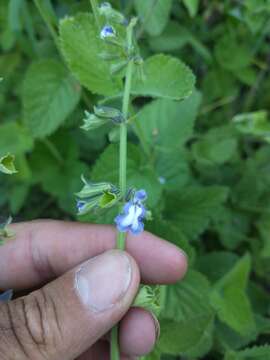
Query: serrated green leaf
{"points": [[61, 179], [106, 169], [253, 353], [194, 207], [231, 53], [216, 147], [166, 125], [179, 335], [82, 46], [14, 139], [50, 94], [230, 300], [165, 76], [216, 264], [154, 14], [176, 37]]}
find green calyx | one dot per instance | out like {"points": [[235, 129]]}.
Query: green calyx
{"points": [[149, 298], [102, 115], [7, 164], [96, 196]]}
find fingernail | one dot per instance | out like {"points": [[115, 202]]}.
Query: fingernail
{"points": [[157, 326], [103, 281]]}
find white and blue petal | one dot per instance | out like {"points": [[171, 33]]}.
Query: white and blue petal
{"points": [[133, 214]]}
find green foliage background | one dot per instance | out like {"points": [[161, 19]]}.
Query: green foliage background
{"points": [[204, 161]]}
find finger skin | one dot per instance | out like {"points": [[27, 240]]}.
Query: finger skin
{"points": [[138, 333], [60, 321], [43, 250]]}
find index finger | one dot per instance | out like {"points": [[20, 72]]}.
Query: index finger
{"points": [[45, 249]]}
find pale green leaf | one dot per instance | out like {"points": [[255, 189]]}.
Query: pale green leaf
{"points": [[261, 352], [192, 6], [179, 335], [232, 53], [164, 76], [82, 49], [194, 207], [230, 300], [216, 147], [14, 139], [166, 125], [154, 14], [50, 94]]}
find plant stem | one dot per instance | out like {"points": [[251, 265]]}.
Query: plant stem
{"points": [[94, 6], [115, 355], [47, 20], [121, 236], [123, 146]]}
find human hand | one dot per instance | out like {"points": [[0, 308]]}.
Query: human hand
{"points": [[84, 289]]}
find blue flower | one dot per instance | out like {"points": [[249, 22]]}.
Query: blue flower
{"points": [[133, 214], [107, 32]]}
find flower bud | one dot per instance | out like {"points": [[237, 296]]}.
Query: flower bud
{"points": [[110, 14], [96, 196], [91, 121], [110, 113], [7, 164]]}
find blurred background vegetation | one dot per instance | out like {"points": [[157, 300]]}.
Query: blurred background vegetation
{"points": [[209, 194]]}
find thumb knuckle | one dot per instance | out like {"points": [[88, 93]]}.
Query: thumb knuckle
{"points": [[29, 326]]}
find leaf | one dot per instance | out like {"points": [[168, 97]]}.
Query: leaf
{"points": [[166, 125], [154, 14], [253, 353], [263, 226], [57, 177], [215, 147], [230, 300], [179, 335], [192, 6], [82, 47], [50, 94], [231, 53], [139, 175], [216, 264], [194, 207], [14, 139], [165, 76], [176, 36]]}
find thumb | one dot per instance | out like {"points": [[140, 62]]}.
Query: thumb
{"points": [[67, 316]]}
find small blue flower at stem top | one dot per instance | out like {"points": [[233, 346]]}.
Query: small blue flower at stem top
{"points": [[133, 214], [107, 32]]}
